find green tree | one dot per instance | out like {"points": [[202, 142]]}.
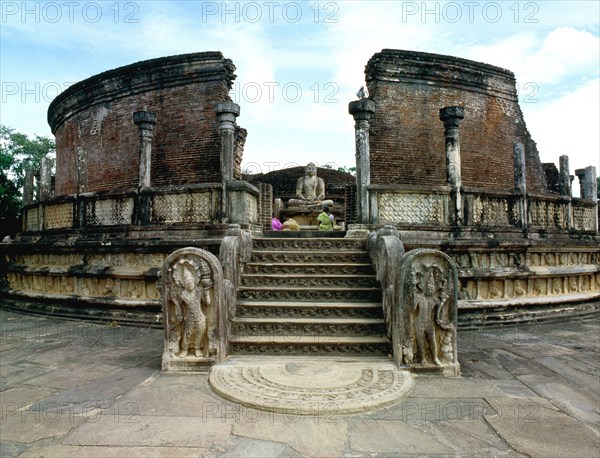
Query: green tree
{"points": [[17, 151]]}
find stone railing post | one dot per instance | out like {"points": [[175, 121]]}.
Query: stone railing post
{"points": [[588, 187], [227, 113], [362, 110], [452, 116], [564, 185], [45, 179], [28, 186], [520, 182], [145, 120]]}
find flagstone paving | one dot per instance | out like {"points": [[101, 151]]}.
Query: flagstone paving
{"points": [[70, 388]]}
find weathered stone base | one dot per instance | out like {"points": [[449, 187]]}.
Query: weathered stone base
{"points": [[301, 386], [446, 369], [187, 364]]}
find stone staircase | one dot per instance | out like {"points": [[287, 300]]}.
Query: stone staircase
{"points": [[309, 296]]}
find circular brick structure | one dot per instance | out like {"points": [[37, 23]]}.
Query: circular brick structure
{"points": [[97, 141], [407, 139]]}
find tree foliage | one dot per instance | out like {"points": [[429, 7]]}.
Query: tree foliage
{"points": [[17, 152]]}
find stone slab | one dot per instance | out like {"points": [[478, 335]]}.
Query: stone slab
{"points": [[434, 387], [67, 451], [536, 428], [399, 438], [66, 379], [581, 403], [302, 386], [149, 431], [317, 435], [27, 427], [97, 394]]}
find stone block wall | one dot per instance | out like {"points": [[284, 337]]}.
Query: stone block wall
{"points": [[407, 136], [94, 128]]}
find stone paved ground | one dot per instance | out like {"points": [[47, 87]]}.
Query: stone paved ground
{"points": [[80, 389]]}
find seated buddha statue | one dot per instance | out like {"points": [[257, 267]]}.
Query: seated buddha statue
{"points": [[310, 189]]}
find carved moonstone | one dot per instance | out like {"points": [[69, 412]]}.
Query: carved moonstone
{"points": [[193, 311], [428, 286]]}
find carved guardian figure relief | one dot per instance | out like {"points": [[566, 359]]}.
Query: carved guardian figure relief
{"points": [[428, 288], [192, 286]]}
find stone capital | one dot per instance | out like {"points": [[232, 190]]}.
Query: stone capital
{"points": [[452, 116], [145, 120], [361, 109], [227, 112]]}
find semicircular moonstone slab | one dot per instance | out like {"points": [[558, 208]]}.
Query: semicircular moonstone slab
{"points": [[307, 387]]}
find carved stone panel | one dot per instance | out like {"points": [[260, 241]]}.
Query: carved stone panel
{"points": [[193, 308], [59, 216], [427, 316], [412, 208]]}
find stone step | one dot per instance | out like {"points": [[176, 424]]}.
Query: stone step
{"points": [[377, 345], [292, 309], [310, 256], [334, 294], [321, 326], [309, 281], [316, 244], [345, 268]]}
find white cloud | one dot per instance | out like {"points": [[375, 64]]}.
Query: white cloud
{"points": [[568, 125]]}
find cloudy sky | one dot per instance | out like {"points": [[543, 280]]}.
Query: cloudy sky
{"points": [[299, 63]]}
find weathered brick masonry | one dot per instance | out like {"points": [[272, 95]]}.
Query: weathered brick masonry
{"points": [[93, 119], [407, 137]]}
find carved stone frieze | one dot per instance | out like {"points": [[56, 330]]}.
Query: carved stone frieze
{"points": [[109, 212], [584, 218], [309, 244], [181, 208], [412, 208], [59, 216], [313, 257], [299, 311], [426, 321], [306, 281], [544, 213], [33, 219], [356, 294], [193, 310]]}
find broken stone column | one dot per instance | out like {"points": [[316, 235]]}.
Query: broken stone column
{"points": [[520, 182], [145, 120], [45, 179], [82, 175], [227, 113], [564, 178], [362, 110], [452, 116], [587, 183], [28, 186]]}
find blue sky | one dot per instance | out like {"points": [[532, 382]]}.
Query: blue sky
{"points": [[300, 63]]}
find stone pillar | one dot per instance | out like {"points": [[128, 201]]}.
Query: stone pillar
{"points": [[520, 182], [587, 183], [45, 179], [28, 186], [452, 116], [564, 179], [145, 120], [362, 110], [82, 170], [227, 113]]}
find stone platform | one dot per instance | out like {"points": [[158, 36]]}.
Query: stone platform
{"points": [[308, 387]]}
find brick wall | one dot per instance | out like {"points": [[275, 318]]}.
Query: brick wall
{"points": [[97, 115], [407, 136]]}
